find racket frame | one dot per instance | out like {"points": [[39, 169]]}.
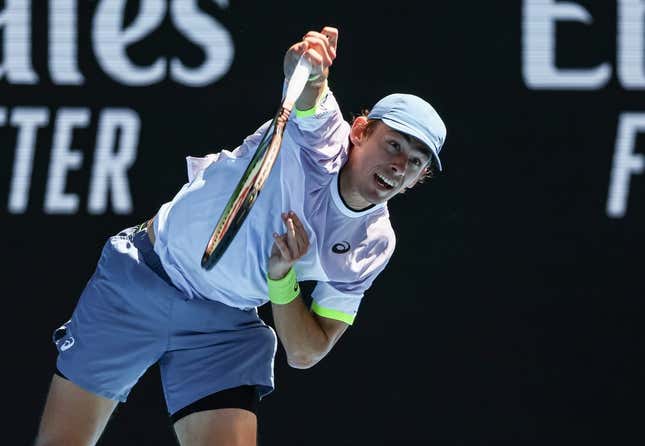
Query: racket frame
{"points": [[252, 181]]}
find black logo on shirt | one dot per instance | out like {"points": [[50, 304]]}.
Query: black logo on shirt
{"points": [[340, 248]]}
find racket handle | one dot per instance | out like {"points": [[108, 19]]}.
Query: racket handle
{"points": [[297, 81]]}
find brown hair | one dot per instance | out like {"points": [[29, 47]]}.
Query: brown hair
{"points": [[430, 169]]}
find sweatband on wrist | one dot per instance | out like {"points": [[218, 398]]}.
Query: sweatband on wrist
{"points": [[283, 291], [313, 110]]}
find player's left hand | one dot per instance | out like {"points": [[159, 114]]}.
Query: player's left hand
{"points": [[287, 247]]}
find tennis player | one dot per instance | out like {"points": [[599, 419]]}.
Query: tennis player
{"points": [[321, 216]]}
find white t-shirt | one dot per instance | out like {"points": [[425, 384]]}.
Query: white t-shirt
{"points": [[348, 249]]}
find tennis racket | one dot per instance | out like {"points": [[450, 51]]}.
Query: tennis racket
{"points": [[256, 173]]}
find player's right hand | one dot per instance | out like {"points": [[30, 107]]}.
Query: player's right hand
{"points": [[320, 50]]}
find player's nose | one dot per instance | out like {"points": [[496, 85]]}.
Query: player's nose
{"points": [[399, 162]]}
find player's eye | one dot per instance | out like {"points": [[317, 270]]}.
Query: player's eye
{"points": [[416, 162], [394, 145]]}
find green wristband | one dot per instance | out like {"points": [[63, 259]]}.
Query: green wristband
{"points": [[283, 291]]}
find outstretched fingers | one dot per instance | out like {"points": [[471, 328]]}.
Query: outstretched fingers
{"points": [[294, 243], [301, 234]]}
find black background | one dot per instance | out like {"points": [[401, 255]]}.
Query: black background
{"points": [[510, 312]]}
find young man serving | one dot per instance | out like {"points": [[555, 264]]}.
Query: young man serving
{"points": [[321, 216]]}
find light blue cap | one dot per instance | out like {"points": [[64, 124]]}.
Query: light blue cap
{"points": [[413, 116]]}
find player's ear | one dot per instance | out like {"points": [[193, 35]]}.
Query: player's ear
{"points": [[358, 130]]}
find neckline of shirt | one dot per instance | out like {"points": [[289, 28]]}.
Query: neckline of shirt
{"points": [[334, 188]]}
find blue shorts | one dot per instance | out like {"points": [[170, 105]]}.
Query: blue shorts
{"points": [[130, 316]]}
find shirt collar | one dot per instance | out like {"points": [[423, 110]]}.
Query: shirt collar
{"points": [[340, 204]]}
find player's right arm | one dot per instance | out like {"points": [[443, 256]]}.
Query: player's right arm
{"points": [[317, 126], [320, 49]]}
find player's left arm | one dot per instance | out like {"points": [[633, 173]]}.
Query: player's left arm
{"points": [[305, 336]]}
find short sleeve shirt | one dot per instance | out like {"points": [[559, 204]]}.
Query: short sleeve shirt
{"points": [[348, 249]]}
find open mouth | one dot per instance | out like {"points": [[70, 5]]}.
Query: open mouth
{"points": [[383, 182]]}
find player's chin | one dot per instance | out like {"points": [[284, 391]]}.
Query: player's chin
{"points": [[378, 196]]}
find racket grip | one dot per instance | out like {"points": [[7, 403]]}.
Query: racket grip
{"points": [[297, 81]]}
